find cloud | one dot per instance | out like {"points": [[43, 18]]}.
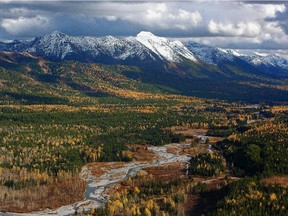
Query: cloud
{"points": [[240, 29], [281, 18], [232, 23], [271, 10], [241, 42], [168, 18], [25, 25], [194, 17]]}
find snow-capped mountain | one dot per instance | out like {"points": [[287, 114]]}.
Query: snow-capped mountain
{"points": [[209, 54], [144, 49], [187, 68], [164, 48], [59, 46], [266, 60], [217, 56]]}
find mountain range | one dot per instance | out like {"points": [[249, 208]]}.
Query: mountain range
{"points": [[145, 47], [186, 68]]}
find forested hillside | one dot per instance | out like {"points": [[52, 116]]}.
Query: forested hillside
{"points": [[57, 118]]}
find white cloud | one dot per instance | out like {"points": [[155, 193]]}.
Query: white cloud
{"points": [[186, 16], [272, 29], [111, 18], [248, 29], [24, 24], [270, 10], [213, 27], [166, 17], [153, 15]]}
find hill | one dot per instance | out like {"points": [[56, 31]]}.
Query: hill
{"points": [[28, 78]]}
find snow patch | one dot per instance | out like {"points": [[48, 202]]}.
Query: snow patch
{"points": [[165, 49]]}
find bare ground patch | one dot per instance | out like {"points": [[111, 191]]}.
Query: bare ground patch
{"points": [[280, 180], [42, 197], [140, 153], [167, 172]]}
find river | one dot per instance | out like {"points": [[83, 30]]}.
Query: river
{"points": [[95, 195]]}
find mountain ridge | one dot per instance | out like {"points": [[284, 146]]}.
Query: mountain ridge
{"points": [[184, 68], [142, 49]]}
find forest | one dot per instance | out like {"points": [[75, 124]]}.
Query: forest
{"points": [[56, 118]]}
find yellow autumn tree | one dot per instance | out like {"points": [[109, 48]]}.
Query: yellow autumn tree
{"points": [[147, 212], [136, 190], [273, 196]]}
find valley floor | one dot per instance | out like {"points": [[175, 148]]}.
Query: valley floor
{"points": [[166, 163]]}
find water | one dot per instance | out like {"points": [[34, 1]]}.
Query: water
{"points": [[95, 192]]}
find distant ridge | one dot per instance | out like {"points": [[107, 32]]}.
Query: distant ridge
{"points": [[186, 68], [146, 48]]}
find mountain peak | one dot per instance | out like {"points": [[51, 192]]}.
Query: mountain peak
{"points": [[145, 34], [164, 48], [56, 33]]}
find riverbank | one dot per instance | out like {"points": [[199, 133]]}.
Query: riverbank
{"points": [[112, 173]]}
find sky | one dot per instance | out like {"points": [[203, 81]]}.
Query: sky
{"points": [[228, 24]]}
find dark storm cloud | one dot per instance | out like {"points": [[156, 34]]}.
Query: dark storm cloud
{"points": [[81, 25], [82, 18]]}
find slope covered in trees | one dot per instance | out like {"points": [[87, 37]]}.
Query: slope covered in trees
{"points": [[56, 117], [29, 79]]}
